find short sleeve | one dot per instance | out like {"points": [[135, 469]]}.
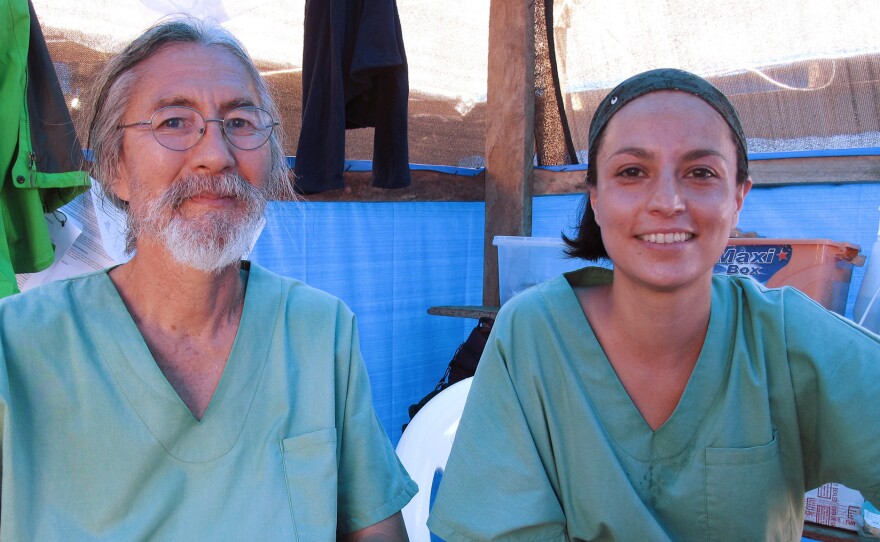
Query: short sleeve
{"points": [[835, 369], [4, 398], [495, 486], [373, 485]]}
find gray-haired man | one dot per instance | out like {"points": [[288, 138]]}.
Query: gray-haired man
{"points": [[187, 395]]}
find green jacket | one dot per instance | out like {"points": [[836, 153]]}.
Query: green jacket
{"points": [[40, 155]]}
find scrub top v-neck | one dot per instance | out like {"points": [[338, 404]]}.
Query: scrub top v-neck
{"points": [[618, 412], [154, 399]]}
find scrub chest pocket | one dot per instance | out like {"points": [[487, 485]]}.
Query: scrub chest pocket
{"points": [[309, 468], [746, 493]]}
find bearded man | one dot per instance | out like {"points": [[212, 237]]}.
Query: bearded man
{"points": [[186, 394]]}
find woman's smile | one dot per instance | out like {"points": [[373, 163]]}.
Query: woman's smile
{"points": [[666, 238]]}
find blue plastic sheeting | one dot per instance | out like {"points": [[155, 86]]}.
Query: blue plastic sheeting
{"points": [[391, 261]]}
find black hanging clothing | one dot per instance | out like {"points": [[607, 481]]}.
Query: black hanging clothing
{"points": [[354, 76]]}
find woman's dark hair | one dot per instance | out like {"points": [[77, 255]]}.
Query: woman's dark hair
{"points": [[587, 243]]}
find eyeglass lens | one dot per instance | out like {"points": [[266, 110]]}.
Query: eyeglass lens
{"points": [[180, 128]]}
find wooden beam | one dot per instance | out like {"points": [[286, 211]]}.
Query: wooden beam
{"points": [[436, 186], [464, 311], [510, 143], [426, 186], [826, 169], [547, 182]]}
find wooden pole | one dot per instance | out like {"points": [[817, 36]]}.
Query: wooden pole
{"points": [[510, 143]]}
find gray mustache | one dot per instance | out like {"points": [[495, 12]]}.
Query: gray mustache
{"points": [[226, 185]]}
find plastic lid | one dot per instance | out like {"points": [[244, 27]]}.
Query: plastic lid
{"points": [[514, 240]]}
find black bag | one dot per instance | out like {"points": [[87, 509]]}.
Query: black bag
{"points": [[463, 365]]}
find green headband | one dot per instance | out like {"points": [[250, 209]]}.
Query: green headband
{"points": [[666, 79]]}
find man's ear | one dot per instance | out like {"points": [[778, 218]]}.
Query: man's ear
{"points": [[121, 187]]}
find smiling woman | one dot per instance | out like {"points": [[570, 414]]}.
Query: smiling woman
{"points": [[666, 198], [657, 401]]}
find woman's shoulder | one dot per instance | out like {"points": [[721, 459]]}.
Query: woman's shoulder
{"points": [[750, 294], [550, 305], [552, 293], [785, 308]]}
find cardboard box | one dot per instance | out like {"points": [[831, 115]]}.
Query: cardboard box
{"points": [[834, 505], [819, 268]]}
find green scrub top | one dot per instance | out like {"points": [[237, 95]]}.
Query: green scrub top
{"points": [[97, 445], [783, 398]]}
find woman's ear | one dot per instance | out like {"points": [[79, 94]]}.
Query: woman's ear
{"points": [[594, 204], [742, 191]]}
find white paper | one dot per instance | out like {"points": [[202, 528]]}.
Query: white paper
{"points": [[256, 237], [111, 225], [871, 519], [63, 231], [85, 254]]}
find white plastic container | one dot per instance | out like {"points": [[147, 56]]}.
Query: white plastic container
{"points": [[526, 261], [866, 311]]}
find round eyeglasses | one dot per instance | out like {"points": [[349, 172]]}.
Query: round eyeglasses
{"points": [[179, 128]]}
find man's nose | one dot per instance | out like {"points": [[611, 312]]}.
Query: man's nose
{"points": [[213, 151]]}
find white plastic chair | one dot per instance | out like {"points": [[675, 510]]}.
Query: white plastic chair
{"points": [[424, 448]]}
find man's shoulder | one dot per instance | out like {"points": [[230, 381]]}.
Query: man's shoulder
{"points": [[56, 295], [295, 291], [48, 308]]}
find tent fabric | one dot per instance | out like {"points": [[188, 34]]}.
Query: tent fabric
{"points": [[553, 144], [390, 262], [802, 73], [354, 76]]}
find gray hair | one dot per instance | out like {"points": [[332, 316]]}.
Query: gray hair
{"points": [[117, 81]]}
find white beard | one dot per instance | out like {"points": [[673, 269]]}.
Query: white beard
{"points": [[209, 247], [214, 240]]}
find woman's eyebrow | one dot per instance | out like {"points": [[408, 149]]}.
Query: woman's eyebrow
{"points": [[643, 153], [702, 153], [634, 151]]}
